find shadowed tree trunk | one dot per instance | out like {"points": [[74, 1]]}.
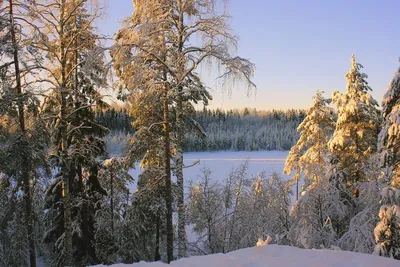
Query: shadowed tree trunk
{"points": [[168, 183], [25, 171]]}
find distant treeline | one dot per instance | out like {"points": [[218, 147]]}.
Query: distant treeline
{"points": [[238, 130], [245, 130], [117, 120]]}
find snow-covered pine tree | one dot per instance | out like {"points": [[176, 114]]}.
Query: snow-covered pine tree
{"points": [[25, 137], [356, 133], [145, 219], [180, 21], [143, 41], [387, 231], [147, 215], [74, 73]]}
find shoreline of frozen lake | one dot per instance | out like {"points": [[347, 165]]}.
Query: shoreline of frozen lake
{"points": [[221, 163]]}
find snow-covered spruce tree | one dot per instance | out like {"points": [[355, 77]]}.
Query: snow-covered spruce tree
{"points": [[311, 217], [113, 177], [387, 231], [74, 73], [356, 133], [309, 155], [22, 153], [359, 233], [389, 140]]}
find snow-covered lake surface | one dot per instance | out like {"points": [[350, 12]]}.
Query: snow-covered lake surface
{"points": [[221, 163], [277, 256]]}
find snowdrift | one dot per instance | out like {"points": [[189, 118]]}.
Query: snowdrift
{"points": [[277, 256]]}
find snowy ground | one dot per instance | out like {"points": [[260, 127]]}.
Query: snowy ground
{"points": [[278, 256], [221, 164]]}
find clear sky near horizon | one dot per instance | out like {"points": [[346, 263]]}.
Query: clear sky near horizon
{"points": [[299, 46]]}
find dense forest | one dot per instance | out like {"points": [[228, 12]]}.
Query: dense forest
{"points": [[65, 200], [237, 130]]}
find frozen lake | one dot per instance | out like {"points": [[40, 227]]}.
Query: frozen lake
{"points": [[221, 164]]}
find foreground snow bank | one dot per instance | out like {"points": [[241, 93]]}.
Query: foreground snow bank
{"points": [[277, 256]]}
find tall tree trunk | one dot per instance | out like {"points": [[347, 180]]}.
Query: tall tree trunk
{"points": [[25, 171], [157, 256], [112, 203], [179, 175], [297, 184], [168, 182], [64, 146], [179, 140]]}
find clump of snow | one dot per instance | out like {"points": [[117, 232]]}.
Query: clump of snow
{"points": [[277, 256]]}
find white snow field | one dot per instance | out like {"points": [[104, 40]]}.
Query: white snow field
{"points": [[277, 256], [221, 164]]}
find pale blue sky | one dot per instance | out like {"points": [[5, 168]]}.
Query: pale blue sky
{"points": [[299, 46]]}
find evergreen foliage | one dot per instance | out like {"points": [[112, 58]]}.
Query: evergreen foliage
{"points": [[223, 130], [387, 231], [356, 134], [81, 211]]}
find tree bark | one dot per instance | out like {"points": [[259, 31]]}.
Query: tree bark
{"points": [[179, 175], [157, 256], [25, 171], [168, 182], [179, 141], [112, 203], [64, 146], [297, 185]]}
